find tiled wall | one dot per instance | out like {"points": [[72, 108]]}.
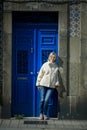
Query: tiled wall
{"points": [[75, 20]]}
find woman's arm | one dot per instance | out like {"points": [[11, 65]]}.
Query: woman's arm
{"points": [[40, 76]]}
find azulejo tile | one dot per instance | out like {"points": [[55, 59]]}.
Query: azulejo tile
{"points": [[74, 20]]}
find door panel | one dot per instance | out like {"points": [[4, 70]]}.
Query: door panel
{"points": [[47, 43], [22, 82], [32, 44]]}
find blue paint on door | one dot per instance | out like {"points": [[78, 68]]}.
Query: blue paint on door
{"points": [[32, 44], [48, 42], [22, 83]]}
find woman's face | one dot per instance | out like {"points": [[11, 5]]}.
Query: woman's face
{"points": [[53, 58]]}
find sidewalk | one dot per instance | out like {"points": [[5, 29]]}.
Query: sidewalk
{"points": [[35, 124]]}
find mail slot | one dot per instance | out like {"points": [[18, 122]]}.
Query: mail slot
{"points": [[22, 78]]}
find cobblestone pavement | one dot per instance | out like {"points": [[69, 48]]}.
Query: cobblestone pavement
{"points": [[35, 124]]}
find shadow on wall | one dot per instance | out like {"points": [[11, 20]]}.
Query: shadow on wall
{"points": [[61, 88]]}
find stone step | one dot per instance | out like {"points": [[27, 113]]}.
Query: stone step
{"points": [[32, 124]]}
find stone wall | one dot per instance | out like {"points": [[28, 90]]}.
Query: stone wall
{"points": [[1, 55], [82, 105], [77, 61], [7, 57], [74, 59]]}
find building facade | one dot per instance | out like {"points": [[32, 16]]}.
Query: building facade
{"points": [[47, 25]]}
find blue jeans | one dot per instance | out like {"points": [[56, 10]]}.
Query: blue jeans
{"points": [[45, 96]]}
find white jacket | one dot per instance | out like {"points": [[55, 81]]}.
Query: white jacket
{"points": [[48, 75]]}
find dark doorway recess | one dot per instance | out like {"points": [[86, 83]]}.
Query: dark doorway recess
{"points": [[35, 17]]}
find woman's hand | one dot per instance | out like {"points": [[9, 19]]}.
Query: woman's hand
{"points": [[38, 87], [57, 87]]}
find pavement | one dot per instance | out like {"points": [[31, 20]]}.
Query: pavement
{"points": [[36, 124]]}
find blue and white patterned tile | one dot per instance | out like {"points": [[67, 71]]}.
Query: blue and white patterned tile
{"points": [[74, 20]]}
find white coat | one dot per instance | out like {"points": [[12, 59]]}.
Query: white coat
{"points": [[48, 75]]}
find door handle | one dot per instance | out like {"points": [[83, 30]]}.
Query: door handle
{"points": [[31, 73]]}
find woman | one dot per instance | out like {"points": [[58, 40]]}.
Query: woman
{"points": [[47, 80]]}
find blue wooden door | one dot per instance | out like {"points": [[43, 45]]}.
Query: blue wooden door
{"points": [[32, 44], [22, 70], [47, 42]]}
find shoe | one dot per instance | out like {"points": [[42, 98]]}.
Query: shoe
{"points": [[41, 117], [45, 117]]}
